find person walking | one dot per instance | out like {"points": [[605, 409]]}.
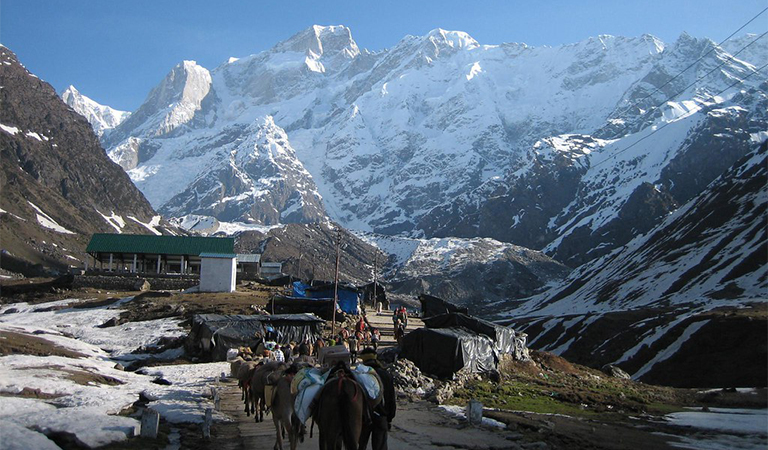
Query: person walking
{"points": [[384, 412]]}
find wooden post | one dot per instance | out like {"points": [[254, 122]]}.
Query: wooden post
{"points": [[110, 262], [159, 261], [475, 412], [181, 268], [135, 259], [216, 397], [207, 423], [150, 422], [375, 264]]}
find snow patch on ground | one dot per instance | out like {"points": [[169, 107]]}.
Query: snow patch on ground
{"points": [[114, 220], [723, 429], [460, 412], [89, 391], [45, 221], [151, 226]]}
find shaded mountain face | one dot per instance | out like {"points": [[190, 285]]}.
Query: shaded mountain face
{"points": [[440, 136], [480, 273], [308, 251], [670, 303], [58, 186]]}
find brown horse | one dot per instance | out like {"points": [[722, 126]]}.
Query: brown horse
{"points": [[259, 380], [283, 415], [244, 374], [339, 412]]}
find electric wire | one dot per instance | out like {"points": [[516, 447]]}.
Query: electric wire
{"points": [[618, 152], [691, 65]]}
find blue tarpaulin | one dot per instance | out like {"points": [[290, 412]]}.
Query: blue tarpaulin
{"points": [[349, 298], [299, 289]]}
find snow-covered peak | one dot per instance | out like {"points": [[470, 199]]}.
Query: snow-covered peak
{"points": [[748, 48], [101, 118], [454, 39], [171, 104], [320, 40], [188, 82]]}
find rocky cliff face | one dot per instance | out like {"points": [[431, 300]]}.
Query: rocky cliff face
{"points": [[58, 186]]}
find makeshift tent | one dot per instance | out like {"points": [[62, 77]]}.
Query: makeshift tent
{"points": [[321, 307], [444, 351], [214, 334], [368, 294], [432, 306], [505, 339], [349, 296]]}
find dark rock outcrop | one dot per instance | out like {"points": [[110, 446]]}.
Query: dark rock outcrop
{"points": [[57, 183]]}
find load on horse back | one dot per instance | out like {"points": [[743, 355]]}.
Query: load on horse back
{"points": [[339, 410]]}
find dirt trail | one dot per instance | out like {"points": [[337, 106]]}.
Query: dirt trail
{"points": [[383, 322], [417, 425]]}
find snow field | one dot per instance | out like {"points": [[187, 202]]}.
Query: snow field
{"points": [[87, 393]]}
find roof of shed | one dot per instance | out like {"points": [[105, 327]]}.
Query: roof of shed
{"points": [[165, 245], [248, 257]]}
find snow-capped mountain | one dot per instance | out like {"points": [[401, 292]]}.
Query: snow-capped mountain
{"points": [[262, 183], [578, 196], [102, 118], [659, 301], [441, 136]]}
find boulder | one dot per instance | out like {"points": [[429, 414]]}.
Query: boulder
{"points": [[141, 285], [615, 371]]}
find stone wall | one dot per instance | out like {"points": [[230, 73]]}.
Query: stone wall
{"points": [[127, 282]]}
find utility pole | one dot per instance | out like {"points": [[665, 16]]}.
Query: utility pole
{"points": [[375, 273], [301, 255], [336, 282]]}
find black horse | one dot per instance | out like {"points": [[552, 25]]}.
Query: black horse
{"points": [[339, 411]]}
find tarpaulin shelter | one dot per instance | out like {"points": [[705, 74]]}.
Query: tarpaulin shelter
{"points": [[214, 334], [321, 307], [444, 351], [505, 339], [380, 294], [349, 296], [432, 306]]}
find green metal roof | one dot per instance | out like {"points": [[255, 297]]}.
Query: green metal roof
{"points": [[165, 245], [218, 255]]}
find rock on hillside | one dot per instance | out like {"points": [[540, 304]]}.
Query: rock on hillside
{"points": [[58, 186], [309, 251]]}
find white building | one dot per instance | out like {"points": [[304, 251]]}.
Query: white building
{"points": [[218, 272]]}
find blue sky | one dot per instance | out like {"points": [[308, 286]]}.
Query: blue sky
{"points": [[116, 51]]}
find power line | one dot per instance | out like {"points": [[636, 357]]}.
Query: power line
{"points": [[727, 60], [669, 123], [692, 64]]}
